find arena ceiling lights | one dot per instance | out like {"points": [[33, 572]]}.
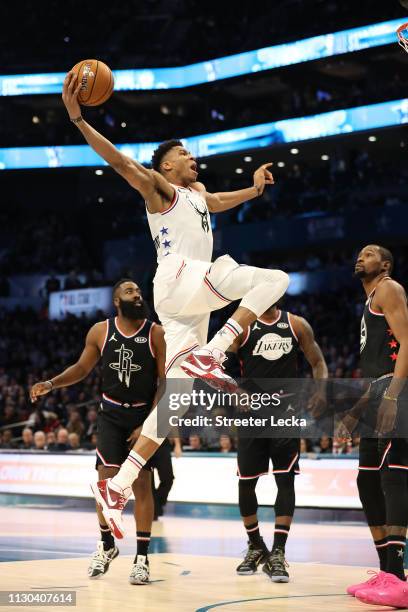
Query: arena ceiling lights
{"points": [[333, 123], [268, 58]]}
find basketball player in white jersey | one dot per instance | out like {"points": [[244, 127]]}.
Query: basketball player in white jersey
{"points": [[187, 286]]}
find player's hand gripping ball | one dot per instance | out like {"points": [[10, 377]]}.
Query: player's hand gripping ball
{"points": [[96, 82]]}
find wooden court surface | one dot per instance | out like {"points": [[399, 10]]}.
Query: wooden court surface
{"points": [[192, 562], [187, 583]]}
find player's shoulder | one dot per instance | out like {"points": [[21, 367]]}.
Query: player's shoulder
{"points": [[200, 187], [298, 323], [390, 288], [98, 329], [156, 327]]}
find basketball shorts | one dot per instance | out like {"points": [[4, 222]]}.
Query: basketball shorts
{"points": [[253, 455], [186, 291], [114, 426], [392, 452]]}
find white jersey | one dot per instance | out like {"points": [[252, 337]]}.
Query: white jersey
{"points": [[184, 228]]}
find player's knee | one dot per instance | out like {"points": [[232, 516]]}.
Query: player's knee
{"points": [[277, 277], [393, 480], [106, 472], [248, 503], [371, 496], [394, 483], [366, 483], [285, 498]]}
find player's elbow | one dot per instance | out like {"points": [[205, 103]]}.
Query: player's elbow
{"points": [[122, 165]]}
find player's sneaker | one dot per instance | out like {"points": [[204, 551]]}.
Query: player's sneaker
{"points": [[207, 365], [140, 573], [389, 591], [253, 557], [373, 581], [112, 500], [101, 559], [275, 566]]}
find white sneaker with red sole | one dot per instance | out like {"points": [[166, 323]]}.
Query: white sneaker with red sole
{"points": [[112, 500], [207, 365]]}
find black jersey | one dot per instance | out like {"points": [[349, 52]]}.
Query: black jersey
{"points": [[378, 346], [269, 350], [129, 372]]}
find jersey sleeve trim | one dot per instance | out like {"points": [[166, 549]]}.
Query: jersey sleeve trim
{"points": [[248, 333], [150, 340], [291, 327], [172, 204], [372, 311], [106, 336]]}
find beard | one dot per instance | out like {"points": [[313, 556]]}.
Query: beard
{"points": [[360, 273], [133, 310]]}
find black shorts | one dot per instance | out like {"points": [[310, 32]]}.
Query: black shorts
{"points": [[114, 426], [254, 454], [376, 453], [388, 452]]}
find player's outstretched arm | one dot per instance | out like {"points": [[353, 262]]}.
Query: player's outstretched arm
{"points": [[151, 186], [219, 202], [76, 372]]}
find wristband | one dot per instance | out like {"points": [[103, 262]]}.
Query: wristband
{"points": [[388, 397], [77, 120], [51, 384]]}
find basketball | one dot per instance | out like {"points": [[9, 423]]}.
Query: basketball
{"points": [[97, 82]]}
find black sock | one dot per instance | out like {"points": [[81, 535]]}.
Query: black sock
{"points": [[253, 535], [106, 537], [143, 541], [280, 536], [395, 556], [381, 548]]}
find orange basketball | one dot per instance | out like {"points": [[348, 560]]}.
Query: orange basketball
{"points": [[97, 82]]}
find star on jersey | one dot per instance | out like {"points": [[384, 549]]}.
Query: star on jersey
{"points": [[164, 230], [256, 326], [400, 552], [166, 244], [124, 366], [113, 338]]}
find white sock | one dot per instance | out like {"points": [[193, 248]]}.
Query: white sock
{"points": [[129, 470], [225, 336]]}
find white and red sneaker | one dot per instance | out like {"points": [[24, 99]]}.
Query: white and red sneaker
{"points": [[371, 582], [207, 365], [390, 591], [112, 500]]}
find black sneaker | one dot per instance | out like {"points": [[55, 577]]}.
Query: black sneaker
{"points": [[275, 566], [254, 556]]}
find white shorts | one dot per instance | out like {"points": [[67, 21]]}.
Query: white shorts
{"points": [[186, 291]]}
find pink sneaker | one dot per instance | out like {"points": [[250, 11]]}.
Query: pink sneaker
{"points": [[390, 591], [374, 580], [112, 500], [207, 365]]}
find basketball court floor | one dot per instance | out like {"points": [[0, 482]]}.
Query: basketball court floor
{"points": [[192, 561]]}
